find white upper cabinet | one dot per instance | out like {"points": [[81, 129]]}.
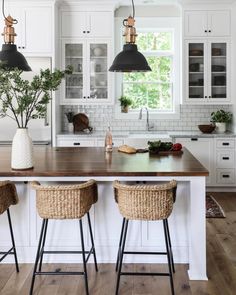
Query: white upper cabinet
{"points": [[34, 29], [207, 70], [86, 24], [213, 23]]}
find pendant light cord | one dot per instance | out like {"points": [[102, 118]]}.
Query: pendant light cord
{"points": [[132, 7], [3, 13]]}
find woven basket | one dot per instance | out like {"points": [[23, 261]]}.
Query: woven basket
{"points": [[65, 201], [145, 202], [8, 195]]}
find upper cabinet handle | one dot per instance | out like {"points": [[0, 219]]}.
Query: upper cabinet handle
{"points": [[209, 31], [205, 31], [225, 143]]}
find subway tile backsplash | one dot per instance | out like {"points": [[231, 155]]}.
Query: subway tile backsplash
{"points": [[100, 117]]}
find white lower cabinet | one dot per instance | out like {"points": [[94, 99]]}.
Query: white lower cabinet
{"points": [[225, 162], [203, 150], [217, 155]]}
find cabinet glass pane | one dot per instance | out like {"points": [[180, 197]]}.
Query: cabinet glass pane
{"points": [[196, 70], [218, 70], [74, 82], [98, 71]]}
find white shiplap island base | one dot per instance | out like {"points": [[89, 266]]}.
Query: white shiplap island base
{"points": [[187, 222]]}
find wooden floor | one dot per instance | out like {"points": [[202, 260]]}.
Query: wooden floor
{"points": [[221, 265]]}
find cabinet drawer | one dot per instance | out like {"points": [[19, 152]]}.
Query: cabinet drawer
{"points": [[225, 143], [225, 158], [225, 176], [75, 143]]}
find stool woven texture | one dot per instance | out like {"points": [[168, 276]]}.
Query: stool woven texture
{"points": [[8, 195], [145, 202], [65, 201]]}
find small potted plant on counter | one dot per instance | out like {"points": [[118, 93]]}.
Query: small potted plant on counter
{"points": [[125, 102], [220, 118], [23, 100]]}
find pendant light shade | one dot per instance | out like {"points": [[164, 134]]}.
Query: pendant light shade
{"points": [[11, 58], [130, 60]]}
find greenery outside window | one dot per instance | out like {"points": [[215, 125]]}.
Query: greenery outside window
{"points": [[158, 90]]}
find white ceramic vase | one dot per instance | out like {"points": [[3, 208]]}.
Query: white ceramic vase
{"points": [[22, 150], [220, 127], [70, 127]]}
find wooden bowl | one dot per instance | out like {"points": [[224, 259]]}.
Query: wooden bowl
{"points": [[207, 128]]}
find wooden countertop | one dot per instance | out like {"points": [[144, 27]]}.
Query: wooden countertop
{"points": [[96, 162]]}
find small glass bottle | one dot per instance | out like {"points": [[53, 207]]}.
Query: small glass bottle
{"points": [[108, 140]]}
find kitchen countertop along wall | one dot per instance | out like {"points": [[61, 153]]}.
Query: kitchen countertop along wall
{"points": [[163, 134]]}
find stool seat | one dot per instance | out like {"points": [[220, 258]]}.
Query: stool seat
{"points": [[65, 201], [145, 202], [8, 197]]}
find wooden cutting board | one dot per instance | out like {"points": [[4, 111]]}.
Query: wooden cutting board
{"points": [[81, 122]]}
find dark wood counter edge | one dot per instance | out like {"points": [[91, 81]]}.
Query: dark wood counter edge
{"points": [[57, 157], [97, 174]]}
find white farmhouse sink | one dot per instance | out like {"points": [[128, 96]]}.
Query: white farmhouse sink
{"points": [[149, 134]]}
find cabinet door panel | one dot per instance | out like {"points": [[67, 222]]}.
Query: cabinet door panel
{"points": [[202, 149], [100, 24], [73, 24], [37, 40], [195, 23], [196, 69], [219, 23]]}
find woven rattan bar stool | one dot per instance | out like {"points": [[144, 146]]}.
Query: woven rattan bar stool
{"points": [[8, 197], [147, 203], [64, 202]]}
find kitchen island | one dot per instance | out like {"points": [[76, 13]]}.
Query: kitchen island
{"points": [[63, 165]]}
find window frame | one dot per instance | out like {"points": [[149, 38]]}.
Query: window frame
{"points": [[172, 24]]}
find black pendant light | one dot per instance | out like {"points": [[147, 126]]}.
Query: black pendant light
{"points": [[130, 59], [10, 58]]}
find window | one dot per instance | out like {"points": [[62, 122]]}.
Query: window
{"points": [[159, 90], [152, 89]]}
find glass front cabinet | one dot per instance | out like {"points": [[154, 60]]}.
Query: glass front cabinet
{"points": [[90, 82], [207, 68]]}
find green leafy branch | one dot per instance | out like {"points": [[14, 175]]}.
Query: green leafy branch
{"points": [[22, 100]]}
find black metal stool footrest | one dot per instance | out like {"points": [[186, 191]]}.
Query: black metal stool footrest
{"points": [[145, 253], [59, 273], [145, 274], [6, 253]]}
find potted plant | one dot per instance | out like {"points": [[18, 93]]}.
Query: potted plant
{"points": [[220, 118], [125, 102], [70, 116], [22, 101]]}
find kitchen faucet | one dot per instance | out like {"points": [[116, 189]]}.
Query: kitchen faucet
{"points": [[148, 125]]}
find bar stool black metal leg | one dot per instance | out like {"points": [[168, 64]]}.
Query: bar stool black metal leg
{"points": [[43, 244], [120, 242], [121, 256], [92, 242], [84, 259], [169, 258], [37, 257], [12, 239], [169, 240]]}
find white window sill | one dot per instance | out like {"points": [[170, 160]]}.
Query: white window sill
{"points": [[133, 115]]}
